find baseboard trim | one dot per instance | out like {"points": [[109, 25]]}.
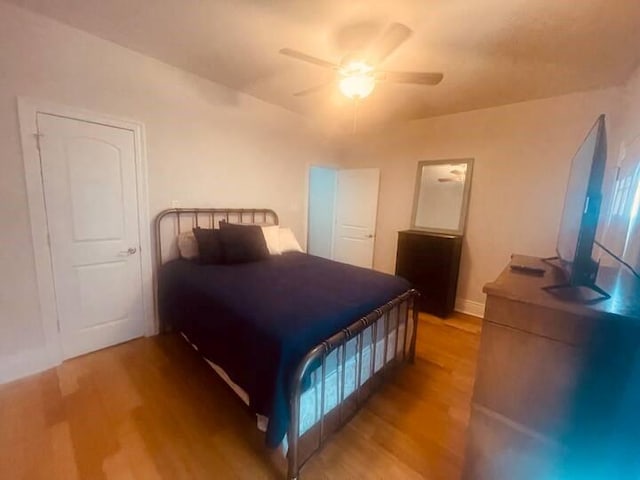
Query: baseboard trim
{"points": [[470, 307], [23, 364]]}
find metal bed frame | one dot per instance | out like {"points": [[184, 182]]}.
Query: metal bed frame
{"points": [[392, 315]]}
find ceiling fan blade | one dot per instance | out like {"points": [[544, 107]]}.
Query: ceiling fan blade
{"points": [[311, 90], [421, 78], [307, 58], [395, 35]]}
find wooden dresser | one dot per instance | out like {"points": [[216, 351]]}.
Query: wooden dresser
{"points": [[430, 262], [557, 391]]}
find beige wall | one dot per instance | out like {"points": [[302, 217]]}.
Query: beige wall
{"points": [[207, 145], [522, 157]]}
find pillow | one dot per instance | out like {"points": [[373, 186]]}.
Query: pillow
{"points": [[242, 243], [272, 238], [209, 245], [188, 245], [288, 242]]}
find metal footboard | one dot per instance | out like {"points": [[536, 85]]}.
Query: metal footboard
{"points": [[393, 316]]}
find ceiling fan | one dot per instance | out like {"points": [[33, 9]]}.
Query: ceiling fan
{"points": [[457, 175], [358, 73]]}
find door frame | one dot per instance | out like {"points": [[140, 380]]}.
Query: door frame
{"points": [[28, 109], [305, 205], [328, 166]]}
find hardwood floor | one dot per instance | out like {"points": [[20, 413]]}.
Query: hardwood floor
{"points": [[152, 409]]}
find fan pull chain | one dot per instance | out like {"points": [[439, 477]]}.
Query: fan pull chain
{"points": [[355, 114]]}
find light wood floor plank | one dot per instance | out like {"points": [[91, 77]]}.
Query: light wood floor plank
{"points": [[151, 409]]}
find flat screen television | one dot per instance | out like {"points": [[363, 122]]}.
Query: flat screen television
{"points": [[581, 211]]}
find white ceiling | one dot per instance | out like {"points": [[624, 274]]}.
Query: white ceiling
{"points": [[491, 52]]}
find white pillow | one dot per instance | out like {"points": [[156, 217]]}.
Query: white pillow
{"points": [[187, 245], [288, 242], [272, 238]]}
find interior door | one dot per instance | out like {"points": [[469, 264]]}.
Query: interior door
{"points": [[89, 182], [356, 210]]}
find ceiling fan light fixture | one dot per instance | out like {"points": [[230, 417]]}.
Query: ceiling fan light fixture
{"points": [[357, 86], [356, 75], [357, 80]]}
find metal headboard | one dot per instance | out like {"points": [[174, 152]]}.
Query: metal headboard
{"points": [[185, 219]]}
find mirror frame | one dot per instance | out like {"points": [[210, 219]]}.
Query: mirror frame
{"points": [[462, 221]]}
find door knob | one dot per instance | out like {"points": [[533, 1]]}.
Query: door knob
{"points": [[129, 251], [370, 236]]}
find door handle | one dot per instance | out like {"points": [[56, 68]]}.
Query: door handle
{"points": [[129, 251], [370, 236]]}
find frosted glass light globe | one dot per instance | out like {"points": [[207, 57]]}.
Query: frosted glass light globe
{"points": [[357, 80]]}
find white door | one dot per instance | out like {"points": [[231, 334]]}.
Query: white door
{"points": [[89, 181], [356, 209]]}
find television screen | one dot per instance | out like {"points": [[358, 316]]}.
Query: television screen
{"points": [[582, 206]]}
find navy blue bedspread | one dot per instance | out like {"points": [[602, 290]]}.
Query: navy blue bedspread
{"points": [[257, 320]]}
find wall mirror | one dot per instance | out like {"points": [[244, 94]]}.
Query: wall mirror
{"points": [[441, 196]]}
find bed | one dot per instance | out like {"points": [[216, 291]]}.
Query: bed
{"points": [[302, 340]]}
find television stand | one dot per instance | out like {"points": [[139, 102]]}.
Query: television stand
{"points": [[556, 381], [573, 289], [567, 286]]}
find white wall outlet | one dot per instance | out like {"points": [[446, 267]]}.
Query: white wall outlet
{"points": [[175, 203]]}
